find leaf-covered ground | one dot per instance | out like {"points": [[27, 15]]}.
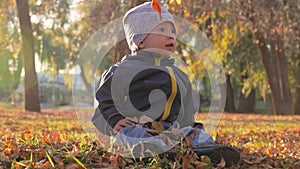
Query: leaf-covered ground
{"points": [[55, 139]]}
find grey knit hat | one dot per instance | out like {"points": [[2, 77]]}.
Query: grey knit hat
{"points": [[139, 21]]}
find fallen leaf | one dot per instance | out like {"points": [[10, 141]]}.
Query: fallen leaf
{"points": [[46, 165], [26, 135], [55, 137], [60, 165], [178, 2], [73, 166], [205, 159], [75, 151], [222, 163], [265, 166], [200, 165], [188, 158]]}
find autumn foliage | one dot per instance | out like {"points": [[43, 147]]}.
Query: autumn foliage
{"points": [[55, 139]]}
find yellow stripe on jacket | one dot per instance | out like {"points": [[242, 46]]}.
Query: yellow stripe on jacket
{"points": [[172, 96]]}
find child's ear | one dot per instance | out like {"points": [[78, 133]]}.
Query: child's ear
{"points": [[141, 45]]}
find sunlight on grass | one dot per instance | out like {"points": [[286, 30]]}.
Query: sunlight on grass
{"points": [[56, 139]]}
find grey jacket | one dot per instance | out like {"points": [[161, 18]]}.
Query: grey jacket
{"points": [[144, 85]]}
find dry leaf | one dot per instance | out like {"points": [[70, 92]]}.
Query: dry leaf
{"points": [[153, 132], [188, 158], [26, 135], [73, 166], [281, 148], [46, 165], [200, 165], [222, 163], [145, 119], [157, 126], [75, 151], [265, 166], [205, 159], [60, 165], [55, 137], [188, 141], [178, 2]]}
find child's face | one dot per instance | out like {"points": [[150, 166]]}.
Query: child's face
{"points": [[162, 38]]}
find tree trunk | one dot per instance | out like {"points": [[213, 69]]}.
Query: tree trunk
{"points": [[297, 101], [247, 104], [296, 108], [275, 64], [271, 45], [84, 80], [32, 100], [229, 104]]}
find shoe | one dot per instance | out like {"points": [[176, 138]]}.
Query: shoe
{"points": [[216, 152]]}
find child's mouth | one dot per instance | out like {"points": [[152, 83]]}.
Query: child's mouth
{"points": [[170, 45]]}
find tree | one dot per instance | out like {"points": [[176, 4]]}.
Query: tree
{"points": [[227, 36], [10, 60], [51, 37], [32, 100], [247, 70], [293, 50], [272, 24], [270, 41]]}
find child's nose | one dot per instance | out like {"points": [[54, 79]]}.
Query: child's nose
{"points": [[171, 35]]}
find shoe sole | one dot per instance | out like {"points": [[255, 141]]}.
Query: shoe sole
{"points": [[230, 155]]}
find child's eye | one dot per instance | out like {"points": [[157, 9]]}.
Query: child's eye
{"points": [[162, 29]]}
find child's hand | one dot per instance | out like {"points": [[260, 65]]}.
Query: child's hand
{"points": [[123, 123]]}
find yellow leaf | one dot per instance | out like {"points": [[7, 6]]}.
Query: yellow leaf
{"points": [[172, 1], [206, 159], [187, 13], [213, 15], [26, 135], [178, 2]]}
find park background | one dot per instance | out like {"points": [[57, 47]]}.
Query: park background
{"points": [[258, 42]]}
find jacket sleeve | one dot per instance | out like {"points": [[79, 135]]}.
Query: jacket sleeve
{"points": [[106, 115], [189, 106]]}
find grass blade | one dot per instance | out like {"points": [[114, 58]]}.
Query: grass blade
{"points": [[50, 160], [78, 162], [31, 158], [21, 164]]}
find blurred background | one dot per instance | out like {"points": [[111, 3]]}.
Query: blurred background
{"points": [[258, 42]]}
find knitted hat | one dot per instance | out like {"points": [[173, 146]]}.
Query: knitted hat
{"points": [[139, 21]]}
